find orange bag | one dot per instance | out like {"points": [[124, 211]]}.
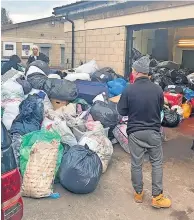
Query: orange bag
{"points": [[187, 109]]}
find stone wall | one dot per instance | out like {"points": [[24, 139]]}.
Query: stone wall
{"points": [[106, 46], [42, 33]]}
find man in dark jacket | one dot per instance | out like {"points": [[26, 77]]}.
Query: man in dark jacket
{"points": [[12, 63], [143, 102], [36, 55]]}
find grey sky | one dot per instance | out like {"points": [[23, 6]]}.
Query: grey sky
{"points": [[28, 10]]}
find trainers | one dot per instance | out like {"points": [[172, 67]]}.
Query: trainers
{"points": [[138, 197], [161, 202]]}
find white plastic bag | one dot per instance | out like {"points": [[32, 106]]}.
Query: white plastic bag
{"points": [[99, 97], [89, 67], [99, 143], [82, 76], [179, 109], [34, 69], [10, 113], [54, 76], [11, 91], [11, 74], [190, 78], [67, 137]]}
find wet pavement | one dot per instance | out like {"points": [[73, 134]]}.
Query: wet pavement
{"points": [[112, 200]]}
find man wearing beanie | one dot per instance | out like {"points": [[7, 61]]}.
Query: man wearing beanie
{"points": [[143, 102]]}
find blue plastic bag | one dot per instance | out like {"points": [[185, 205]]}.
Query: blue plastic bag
{"points": [[116, 86], [117, 89], [188, 93], [117, 81]]}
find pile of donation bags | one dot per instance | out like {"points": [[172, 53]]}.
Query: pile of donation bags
{"points": [[178, 87], [46, 145], [70, 121]]}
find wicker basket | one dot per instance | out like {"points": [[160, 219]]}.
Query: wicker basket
{"points": [[40, 170]]}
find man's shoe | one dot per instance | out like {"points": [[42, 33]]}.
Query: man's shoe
{"points": [[138, 197], [161, 202]]}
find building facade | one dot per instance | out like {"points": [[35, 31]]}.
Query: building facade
{"points": [[107, 31], [47, 33]]}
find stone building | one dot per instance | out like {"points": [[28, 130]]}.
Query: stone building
{"points": [[47, 33], [106, 31]]}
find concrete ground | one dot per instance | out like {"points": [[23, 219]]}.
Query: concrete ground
{"points": [[112, 200]]}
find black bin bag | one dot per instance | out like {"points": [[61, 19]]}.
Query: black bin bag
{"points": [[63, 90], [30, 116], [37, 80], [41, 65], [104, 75], [106, 113], [80, 170], [169, 65], [171, 118]]}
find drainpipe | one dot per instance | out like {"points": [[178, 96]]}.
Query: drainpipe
{"points": [[73, 40], [65, 17]]}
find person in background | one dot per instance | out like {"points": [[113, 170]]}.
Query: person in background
{"points": [[143, 102], [12, 63], [36, 55]]}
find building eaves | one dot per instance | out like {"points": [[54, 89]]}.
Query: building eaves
{"points": [[27, 23], [84, 7], [77, 3]]}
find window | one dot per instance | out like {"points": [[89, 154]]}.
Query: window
{"points": [[9, 49], [45, 50], [62, 55], [26, 49]]}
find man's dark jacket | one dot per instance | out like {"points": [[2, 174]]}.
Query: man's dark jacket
{"points": [[41, 56], [142, 102]]}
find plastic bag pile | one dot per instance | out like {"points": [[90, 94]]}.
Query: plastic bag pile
{"points": [[63, 127], [69, 143], [178, 87]]}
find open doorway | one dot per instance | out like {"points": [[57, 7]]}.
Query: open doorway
{"points": [[162, 42]]}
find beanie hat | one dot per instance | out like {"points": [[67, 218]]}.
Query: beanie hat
{"points": [[142, 65]]}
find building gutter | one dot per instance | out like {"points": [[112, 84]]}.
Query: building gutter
{"points": [[65, 18]]}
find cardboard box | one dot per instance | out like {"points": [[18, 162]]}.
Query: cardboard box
{"points": [[58, 103], [115, 99]]}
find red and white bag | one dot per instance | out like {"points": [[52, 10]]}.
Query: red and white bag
{"points": [[120, 133]]}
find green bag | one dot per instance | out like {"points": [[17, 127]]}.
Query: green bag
{"points": [[30, 139], [81, 102]]}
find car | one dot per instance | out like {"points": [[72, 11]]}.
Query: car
{"points": [[21, 67], [11, 200]]}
